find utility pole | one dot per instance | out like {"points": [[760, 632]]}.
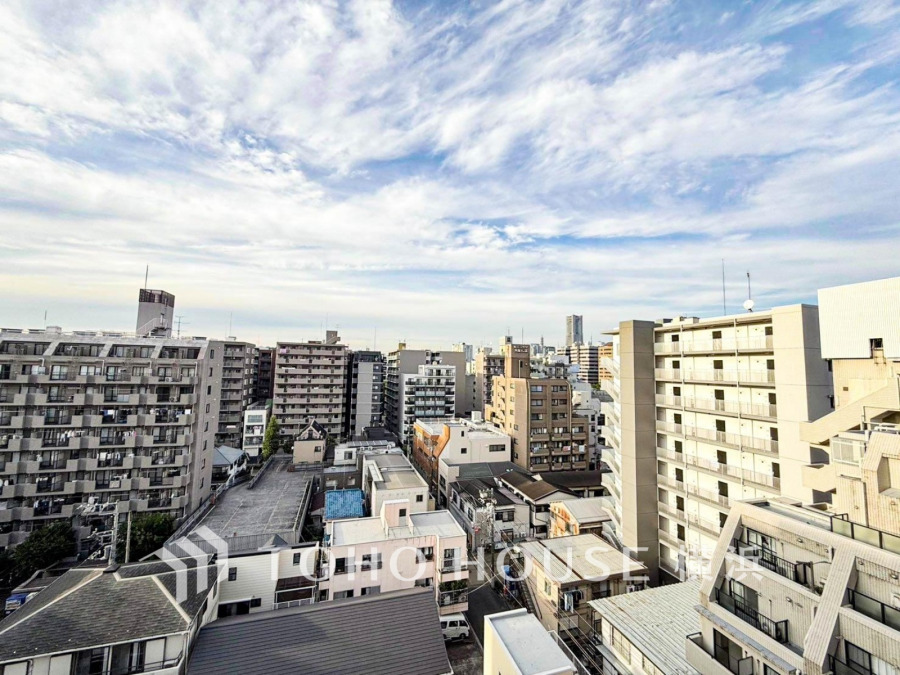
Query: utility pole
{"points": [[488, 501], [128, 538]]}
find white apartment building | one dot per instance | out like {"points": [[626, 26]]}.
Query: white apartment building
{"points": [[350, 453], [707, 412], [238, 378], [390, 477], [91, 422], [399, 416], [365, 407], [256, 419], [310, 384], [396, 550], [429, 393]]}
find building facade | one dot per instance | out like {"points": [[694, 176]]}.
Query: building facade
{"points": [[365, 405], [706, 413], [92, 419], [264, 371], [574, 329], [588, 358], [487, 366], [238, 377], [310, 384], [256, 418], [403, 362], [538, 416]]}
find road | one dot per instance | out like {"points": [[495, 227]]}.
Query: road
{"points": [[482, 602]]}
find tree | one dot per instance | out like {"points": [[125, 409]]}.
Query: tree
{"points": [[149, 532], [44, 547], [270, 440]]}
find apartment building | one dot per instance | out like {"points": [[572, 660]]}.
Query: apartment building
{"points": [[90, 420], [365, 393], [116, 620], [707, 412], [538, 416], [410, 386], [588, 359], [156, 312], [579, 516], [796, 589], [256, 419], [574, 329], [264, 374], [238, 375], [456, 441], [515, 643], [488, 365], [489, 513], [310, 384], [396, 550]]}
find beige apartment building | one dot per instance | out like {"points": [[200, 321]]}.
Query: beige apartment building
{"points": [[707, 412], [238, 380], [92, 423], [487, 366], [310, 384], [538, 415]]}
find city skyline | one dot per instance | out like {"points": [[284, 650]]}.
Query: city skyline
{"points": [[441, 173]]}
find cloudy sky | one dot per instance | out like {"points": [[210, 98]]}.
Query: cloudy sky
{"points": [[441, 171]]}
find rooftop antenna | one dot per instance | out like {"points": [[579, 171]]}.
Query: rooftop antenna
{"points": [[375, 340], [179, 322], [724, 311], [230, 317], [748, 303], [45, 318], [146, 276]]}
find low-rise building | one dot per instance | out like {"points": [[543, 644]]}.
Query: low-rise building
{"points": [[564, 574], [538, 495], [349, 453], [643, 633], [489, 512], [449, 472], [515, 643], [228, 463], [394, 634], [310, 444], [116, 619], [396, 550], [256, 418], [387, 477], [342, 504], [456, 441], [579, 516]]}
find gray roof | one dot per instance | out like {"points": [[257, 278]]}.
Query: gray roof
{"points": [[90, 607], [225, 455], [488, 469], [391, 634]]}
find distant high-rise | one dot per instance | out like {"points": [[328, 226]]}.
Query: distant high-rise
{"points": [[156, 310], [574, 329], [365, 393]]}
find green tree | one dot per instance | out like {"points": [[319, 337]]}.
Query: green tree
{"points": [[149, 532], [44, 547], [270, 440]]}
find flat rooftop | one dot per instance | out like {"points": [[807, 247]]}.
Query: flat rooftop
{"points": [[592, 558], [365, 530], [435, 427], [273, 506], [656, 621], [395, 472], [529, 644]]}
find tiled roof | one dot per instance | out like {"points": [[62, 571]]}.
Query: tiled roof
{"points": [[340, 504], [391, 634]]}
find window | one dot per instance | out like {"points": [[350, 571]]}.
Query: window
{"points": [[419, 498], [859, 660], [621, 645], [232, 574], [340, 595], [548, 589], [297, 557], [255, 602], [212, 353], [370, 590], [207, 407], [426, 553], [463, 451], [403, 513]]}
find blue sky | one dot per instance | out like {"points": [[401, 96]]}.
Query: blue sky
{"points": [[441, 172]]}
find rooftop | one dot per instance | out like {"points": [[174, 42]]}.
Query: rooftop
{"points": [[344, 504], [90, 607], [533, 488], [592, 559], [393, 471], [365, 530], [474, 486], [590, 509], [573, 479], [276, 504], [528, 643], [390, 634], [435, 427], [656, 621], [225, 455]]}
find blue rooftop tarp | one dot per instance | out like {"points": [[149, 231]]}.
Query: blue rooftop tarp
{"points": [[341, 504]]}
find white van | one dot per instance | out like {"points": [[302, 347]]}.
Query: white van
{"points": [[454, 626]]}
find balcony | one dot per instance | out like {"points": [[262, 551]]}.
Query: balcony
{"points": [[777, 630], [709, 496], [730, 376], [875, 609], [718, 664]]}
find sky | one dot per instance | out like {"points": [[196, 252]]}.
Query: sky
{"points": [[440, 172]]}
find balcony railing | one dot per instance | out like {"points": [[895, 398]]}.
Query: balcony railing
{"points": [[883, 540], [774, 563], [777, 630], [875, 609]]}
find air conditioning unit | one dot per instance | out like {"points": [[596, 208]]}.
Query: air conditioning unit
{"points": [[631, 588]]}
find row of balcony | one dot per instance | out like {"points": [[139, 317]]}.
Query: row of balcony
{"points": [[716, 437], [75, 377], [763, 377], [94, 420], [718, 345], [712, 466], [764, 410], [80, 440], [105, 398]]}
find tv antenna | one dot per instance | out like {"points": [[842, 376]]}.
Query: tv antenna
{"points": [[178, 321], [748, 303], [724, 311]]}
